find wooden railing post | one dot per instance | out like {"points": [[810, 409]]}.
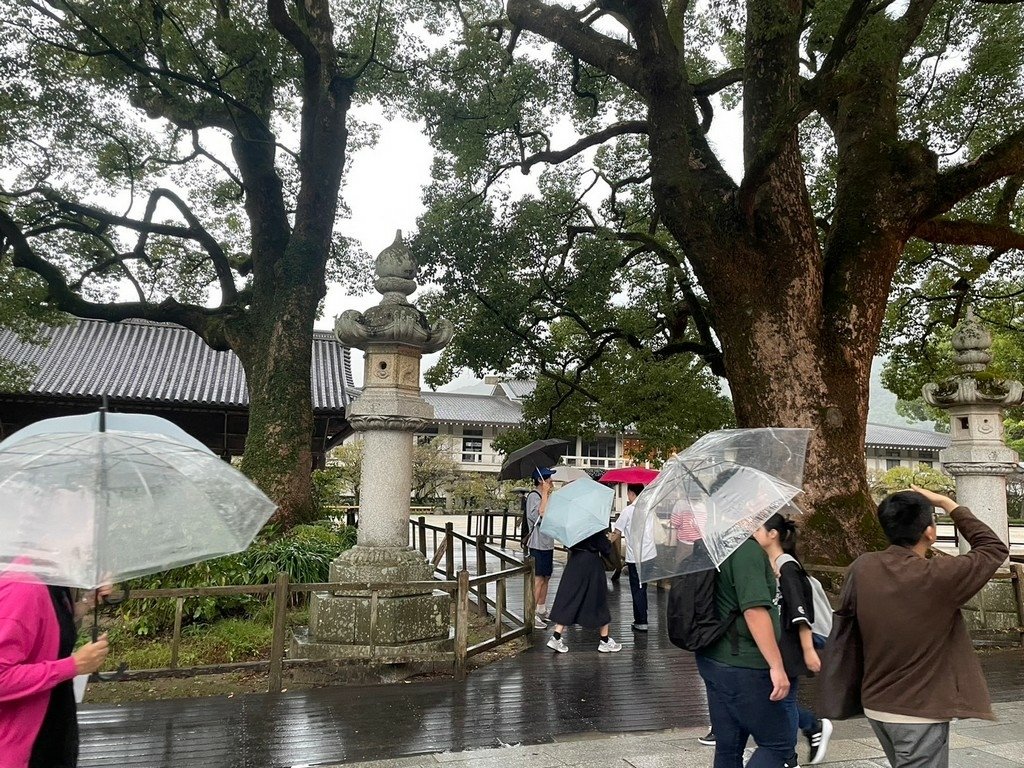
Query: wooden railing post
{"points": [[423, 535], [1017, 571], [179, 607], [469, 522], [499, 607], [529, 603], [461, 624], [504, 528], [449, 552], [481, 569], [280, 631]]}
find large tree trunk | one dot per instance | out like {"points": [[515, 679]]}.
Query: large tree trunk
{"points": [[276, 353], [785, 372]]}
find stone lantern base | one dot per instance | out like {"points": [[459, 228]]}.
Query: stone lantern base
{"points": [[410, 622], [992, 613]]}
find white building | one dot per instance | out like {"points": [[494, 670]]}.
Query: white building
{"points": [[472, 420]]}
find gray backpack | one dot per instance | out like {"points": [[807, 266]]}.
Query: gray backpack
{"points": [[822, 624]]}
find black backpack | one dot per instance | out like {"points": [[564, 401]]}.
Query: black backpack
{"points": [[693, 621]]}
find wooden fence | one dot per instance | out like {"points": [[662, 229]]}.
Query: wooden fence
{"points": [[467, 590]]}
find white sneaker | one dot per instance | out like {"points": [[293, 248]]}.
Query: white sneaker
{"points": [[557, 644], [819, 741], [539, 622], [609, 647]]}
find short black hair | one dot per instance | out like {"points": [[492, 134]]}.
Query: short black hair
{"points": [[636, 488], [905, 516]]}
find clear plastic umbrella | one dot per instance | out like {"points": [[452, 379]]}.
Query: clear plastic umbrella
{"points": [[87, 508], [579, 509], [710, 498]]}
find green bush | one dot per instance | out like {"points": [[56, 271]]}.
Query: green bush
{"points": [[304, 553]]}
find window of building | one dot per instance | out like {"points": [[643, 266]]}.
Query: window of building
{"points": [[597, 452], [929, 464], [891, 464], [472, 446], [425, 435]]}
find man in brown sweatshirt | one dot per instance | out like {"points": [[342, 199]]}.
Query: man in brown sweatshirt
{"points": [[920, 670]]}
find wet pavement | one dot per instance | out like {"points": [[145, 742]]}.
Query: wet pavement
{"points": [[535, 698]]}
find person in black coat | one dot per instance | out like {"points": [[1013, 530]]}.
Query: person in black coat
{"points": [[582, 596]]}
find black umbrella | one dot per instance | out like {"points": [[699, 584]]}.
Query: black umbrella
{"points": [[540, 453]]}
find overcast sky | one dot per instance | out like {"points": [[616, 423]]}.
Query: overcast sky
{"points": [[384, 189]]}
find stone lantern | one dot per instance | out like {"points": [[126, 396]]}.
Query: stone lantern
{"points": [[977, 456], [395, 335]]}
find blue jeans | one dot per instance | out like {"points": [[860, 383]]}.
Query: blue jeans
{"points": [[639, 593], [739, 704], [800, 719]]}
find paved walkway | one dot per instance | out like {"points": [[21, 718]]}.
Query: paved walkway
{"points": [[538, 698], [576, 708], [974, 744]]}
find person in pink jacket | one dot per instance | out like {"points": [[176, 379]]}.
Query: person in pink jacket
{"points": [[36, 664]]}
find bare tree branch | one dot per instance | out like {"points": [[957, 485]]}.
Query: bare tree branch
{"points": [[1004, 158], [594, 139], [198, 319], [964, 232], [146, 226], [562, 27]]}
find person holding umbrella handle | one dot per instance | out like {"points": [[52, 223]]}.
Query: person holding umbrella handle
{"points": [[38, 714]]}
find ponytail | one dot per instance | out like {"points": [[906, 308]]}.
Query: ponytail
{"points": [[787, 532]]}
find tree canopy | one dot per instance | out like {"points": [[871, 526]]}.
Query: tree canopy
{"points": [[864, 126], [191, 153]]}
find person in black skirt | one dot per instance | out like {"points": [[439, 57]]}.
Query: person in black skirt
{"points": [[582, 596]]}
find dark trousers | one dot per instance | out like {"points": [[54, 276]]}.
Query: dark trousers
{"points": [[800, 719], [639, 592], [739, 704], [914, 745]]}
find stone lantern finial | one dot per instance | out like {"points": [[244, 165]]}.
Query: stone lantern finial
{"points": [[396, 272], [972, 342], [393, 320]]}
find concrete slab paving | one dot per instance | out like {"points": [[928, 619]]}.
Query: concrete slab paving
{"points": [[974, 744]]}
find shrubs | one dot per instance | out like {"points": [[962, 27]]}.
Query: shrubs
{"points": [[304, 553]]}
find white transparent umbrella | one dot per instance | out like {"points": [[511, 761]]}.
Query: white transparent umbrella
{"points": [[710, 498], [82, 508]]}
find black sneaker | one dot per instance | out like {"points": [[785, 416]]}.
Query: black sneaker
{"points": [[793, 762], [709, 740], [818, 739]]}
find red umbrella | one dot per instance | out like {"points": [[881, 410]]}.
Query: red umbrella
{"points": [[640, 475]]}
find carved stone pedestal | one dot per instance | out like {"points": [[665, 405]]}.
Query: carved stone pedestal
{"points": [[399, 623]]}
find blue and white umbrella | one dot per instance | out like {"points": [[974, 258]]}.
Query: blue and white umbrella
{"points": [[577, 510]]}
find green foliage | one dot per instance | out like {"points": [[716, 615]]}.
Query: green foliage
{"points": [[901, 478], [345, 466], [433, 468], [305, 553], [25, 311], [918, 341], [473, 490], [328, 490], [602, 327]]}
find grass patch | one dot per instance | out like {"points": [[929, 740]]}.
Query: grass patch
{"points": [[226, 641]]}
